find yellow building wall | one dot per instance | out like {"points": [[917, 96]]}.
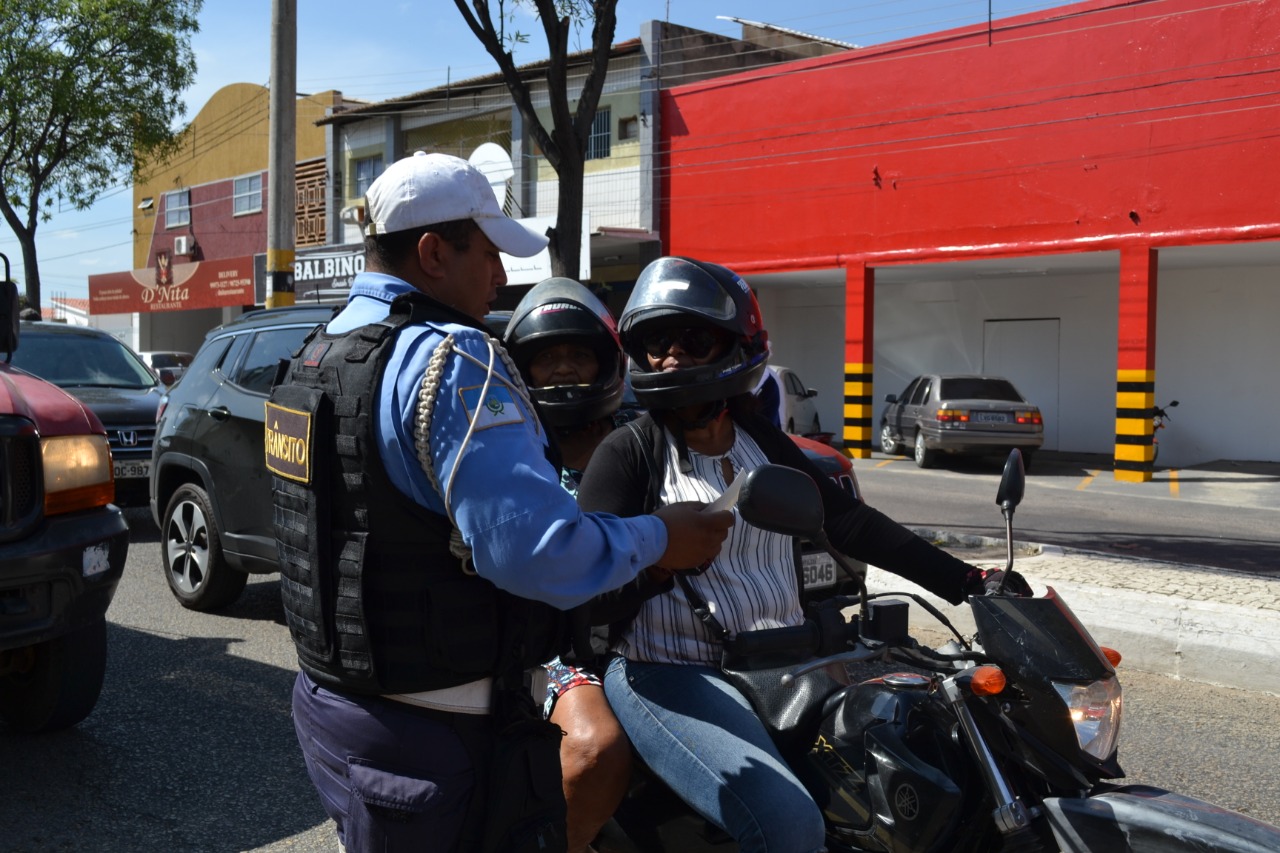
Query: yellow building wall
{"points": [[229, 137], [622, 154]]}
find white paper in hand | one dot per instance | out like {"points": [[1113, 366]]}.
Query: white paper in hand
{"points": [[728, 499]]}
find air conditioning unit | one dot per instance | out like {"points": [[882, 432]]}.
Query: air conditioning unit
{"points": [[182, 245]]}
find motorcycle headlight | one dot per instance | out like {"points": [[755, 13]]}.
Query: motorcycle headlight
{"points": [[1095, 711]]}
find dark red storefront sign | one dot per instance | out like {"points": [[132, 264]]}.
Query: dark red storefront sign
{"points": [[202, 284]]}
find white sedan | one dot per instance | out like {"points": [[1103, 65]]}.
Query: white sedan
{"points": [[799, 415]]}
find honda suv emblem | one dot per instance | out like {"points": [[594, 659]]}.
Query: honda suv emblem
{"points": [[128, 438]]}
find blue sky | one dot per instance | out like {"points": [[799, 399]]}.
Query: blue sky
{"points": [[402, 47]]}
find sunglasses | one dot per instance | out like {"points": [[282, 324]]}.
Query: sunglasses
{"points": [[695, 342]]}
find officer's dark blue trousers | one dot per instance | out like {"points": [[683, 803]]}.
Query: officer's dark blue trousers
{"points": [[392, 776]]}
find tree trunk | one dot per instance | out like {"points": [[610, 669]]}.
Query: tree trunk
{"points": [[26, 234], [566, 241], [31, 268]]}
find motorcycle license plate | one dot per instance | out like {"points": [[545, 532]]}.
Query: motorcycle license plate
{"points": [[132, 470], [819, 570]]}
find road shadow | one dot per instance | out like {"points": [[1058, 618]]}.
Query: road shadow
{"points": [[1257, 557], [190, 748], [1043, 464], [260, 600], [141, 527], [1053, 464], [1227, 471], [1249, 556]]}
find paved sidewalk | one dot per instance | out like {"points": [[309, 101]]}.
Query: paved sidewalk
{"points": [[1194, 622]]}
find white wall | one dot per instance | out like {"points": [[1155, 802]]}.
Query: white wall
{"points": [[1216, 350], [612, 196], [938, 326], [806, 333], [182, 331], [1217, 354], [122, 326]]}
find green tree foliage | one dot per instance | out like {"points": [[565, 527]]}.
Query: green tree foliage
{"points": [[89, 92], [564, 144]]}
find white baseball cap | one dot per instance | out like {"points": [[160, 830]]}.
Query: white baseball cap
{"points": [[425, 189]]}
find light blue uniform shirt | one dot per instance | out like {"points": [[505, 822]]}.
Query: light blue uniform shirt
{"points": [[525, 532]]}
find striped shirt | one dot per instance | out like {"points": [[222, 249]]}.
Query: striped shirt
{"points": [[751, 583]]}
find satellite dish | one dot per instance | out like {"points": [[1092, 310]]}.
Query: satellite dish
{"points": [[495, 164]]}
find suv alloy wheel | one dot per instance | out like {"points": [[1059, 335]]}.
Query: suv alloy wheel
{"points": [[194, 566]]}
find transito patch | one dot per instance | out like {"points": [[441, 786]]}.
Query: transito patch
{"points": [[288, 442]]}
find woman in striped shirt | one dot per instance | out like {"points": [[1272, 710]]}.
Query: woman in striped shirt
{"points": [[698, 346]]}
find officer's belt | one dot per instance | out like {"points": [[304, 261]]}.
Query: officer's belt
{"points": [[470, 698]]}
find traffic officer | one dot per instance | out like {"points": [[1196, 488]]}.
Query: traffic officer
{"points": [[427, 548]]}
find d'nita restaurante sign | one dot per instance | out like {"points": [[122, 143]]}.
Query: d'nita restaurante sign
{"points": [[174, 287]]}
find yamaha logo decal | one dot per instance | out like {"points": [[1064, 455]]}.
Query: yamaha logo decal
{"points": [[906, 802]]}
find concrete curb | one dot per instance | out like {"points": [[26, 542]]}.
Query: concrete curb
{"points": [[1189, 622]]}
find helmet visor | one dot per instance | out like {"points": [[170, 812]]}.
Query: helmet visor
{"points": [[698, 342], [665, 284]]}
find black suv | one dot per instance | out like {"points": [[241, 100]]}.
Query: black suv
{"points": [[109, 378], [210, 491]]}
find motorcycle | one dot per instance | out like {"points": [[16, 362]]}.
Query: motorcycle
{"points": [[1006, 741], [1158, 418]]}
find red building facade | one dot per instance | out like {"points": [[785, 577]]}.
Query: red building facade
{"points": [[1132, 127]]}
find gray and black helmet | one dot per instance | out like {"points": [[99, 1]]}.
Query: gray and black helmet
{"points": [[560, 310], [676, 292]]}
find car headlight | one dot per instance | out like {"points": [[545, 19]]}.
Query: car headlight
{"points": [[1095, 711], [77, 473]]}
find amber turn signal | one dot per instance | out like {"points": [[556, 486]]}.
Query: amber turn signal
{"points": [[1112, 656], [987, 681]]}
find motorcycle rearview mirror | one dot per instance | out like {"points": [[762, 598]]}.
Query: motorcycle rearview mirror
{"points": [[781, 499], [1174, 403], [1013, 483], [9, 315]]}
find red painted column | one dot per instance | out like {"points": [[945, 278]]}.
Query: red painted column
{"points": [[1136, 365], [859, 343]]}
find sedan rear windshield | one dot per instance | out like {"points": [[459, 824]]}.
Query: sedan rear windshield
{"points": [[78, 361], [170, 359], [974, 388]]}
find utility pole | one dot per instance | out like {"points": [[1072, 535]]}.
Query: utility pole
{"points": [[283, 157]]}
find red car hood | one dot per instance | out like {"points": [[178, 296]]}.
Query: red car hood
{"points": [[54, 411], [823, 450]]}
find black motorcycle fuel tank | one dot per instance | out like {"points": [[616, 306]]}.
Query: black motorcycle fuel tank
{"points": [[885, 760]]}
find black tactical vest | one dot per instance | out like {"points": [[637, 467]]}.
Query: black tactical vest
{"points": [[375, 601]]}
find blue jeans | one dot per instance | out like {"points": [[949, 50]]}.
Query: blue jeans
{"points": [[699, 735]]}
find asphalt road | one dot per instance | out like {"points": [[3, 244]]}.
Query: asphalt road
{"points": [[1225, 515], [191, 747]]}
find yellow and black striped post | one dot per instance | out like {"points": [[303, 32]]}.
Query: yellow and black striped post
{"points": [[859, 339], [1135, 398], [1135, 365], [858, 424]]}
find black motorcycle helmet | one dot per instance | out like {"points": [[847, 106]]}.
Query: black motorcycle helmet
{"points": [[675, 292], [559, 310]]}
